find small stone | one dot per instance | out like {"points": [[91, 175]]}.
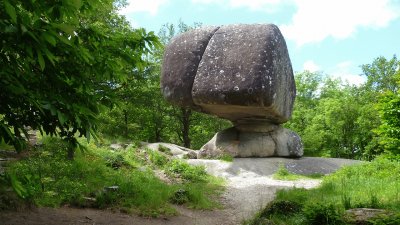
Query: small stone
{"points": [[116, 146], [112, 188]]}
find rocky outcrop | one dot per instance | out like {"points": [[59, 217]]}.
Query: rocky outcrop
{"points": [[241, 73], [277, 142]]}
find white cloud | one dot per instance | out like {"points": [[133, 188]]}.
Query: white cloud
{"points": [[343, 71], [149, 6], [256, 5], [310, 66], [316, 20]]}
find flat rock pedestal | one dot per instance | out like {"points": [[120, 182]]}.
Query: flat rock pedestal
{"points": [[241, 73], [256, 139]]}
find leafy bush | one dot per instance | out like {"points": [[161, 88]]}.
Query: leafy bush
{"points": [[157, 158], [115, 161], [165, 150], [186, 171], [323, 214], [179, 197], [281, 207]]}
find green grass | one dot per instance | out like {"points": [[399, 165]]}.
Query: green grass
{"points": [[373, 184], [47, 178], [283, 174]]}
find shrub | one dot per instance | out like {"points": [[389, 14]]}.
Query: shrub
{"points": [[323, 214], [187, 172], [164, 150], [157, 158], [179, 197], [281, 207]]}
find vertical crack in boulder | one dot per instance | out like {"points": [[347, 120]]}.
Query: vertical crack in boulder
{"points": [[181, 60]]}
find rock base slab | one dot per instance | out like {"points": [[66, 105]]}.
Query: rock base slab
{"points": [[242, 144]]}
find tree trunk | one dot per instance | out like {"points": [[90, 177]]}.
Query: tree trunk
{"points": [[71, 153], [186, 113], [126, 124]]}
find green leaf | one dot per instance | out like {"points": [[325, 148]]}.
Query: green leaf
{"points": [[29, 51], [49, 38], [69, 29], [17, 186], [41, 60], [10, 10], [23, 29], [76, 3], [64, 40], [61, 117], [50, 56]]}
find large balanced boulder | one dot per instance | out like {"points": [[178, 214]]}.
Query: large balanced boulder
{"points": [[241, 73], [246, 72]]}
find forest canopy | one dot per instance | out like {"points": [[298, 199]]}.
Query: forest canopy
{"points": [[61, 62]]}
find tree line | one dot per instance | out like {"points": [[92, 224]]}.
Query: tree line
{"points": [[336, 119]]}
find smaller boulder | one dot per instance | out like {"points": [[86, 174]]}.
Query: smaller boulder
{"points": [[241, 144]]}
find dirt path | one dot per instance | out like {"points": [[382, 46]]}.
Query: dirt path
{"points": [[249, 187]]}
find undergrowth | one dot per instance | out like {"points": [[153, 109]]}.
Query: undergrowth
{"points": [[101, 178], [373, 184]]}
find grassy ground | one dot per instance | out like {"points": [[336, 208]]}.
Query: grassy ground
{"points": [[367, 185], [284, 174], [101, 178]]}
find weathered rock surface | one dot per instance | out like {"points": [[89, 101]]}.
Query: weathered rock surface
{"points": [[279, 142], [246, 72], [181, 59], [175, 150], [241, 73], [365, 215]]}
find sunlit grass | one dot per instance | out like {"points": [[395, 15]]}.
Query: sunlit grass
{"points": [[48, 178], [373, 184]]}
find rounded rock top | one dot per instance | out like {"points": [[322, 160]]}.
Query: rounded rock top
{"points": [[237, 72]]}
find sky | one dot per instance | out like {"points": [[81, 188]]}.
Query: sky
{"points": [[334, 37]]}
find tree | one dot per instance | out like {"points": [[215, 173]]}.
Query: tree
{"points": [[381, 74], [389, 111], [61, 62], [183, 114], [380, 92]]}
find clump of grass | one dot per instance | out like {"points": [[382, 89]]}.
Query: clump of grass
{"points": [[225, 157], [47, 178], [283, 174], [165, 150], [178, 168]]}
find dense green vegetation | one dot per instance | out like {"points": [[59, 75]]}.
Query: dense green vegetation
{"points": [[61, 62], [335, 119], [367, 185], [125, 180]]}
